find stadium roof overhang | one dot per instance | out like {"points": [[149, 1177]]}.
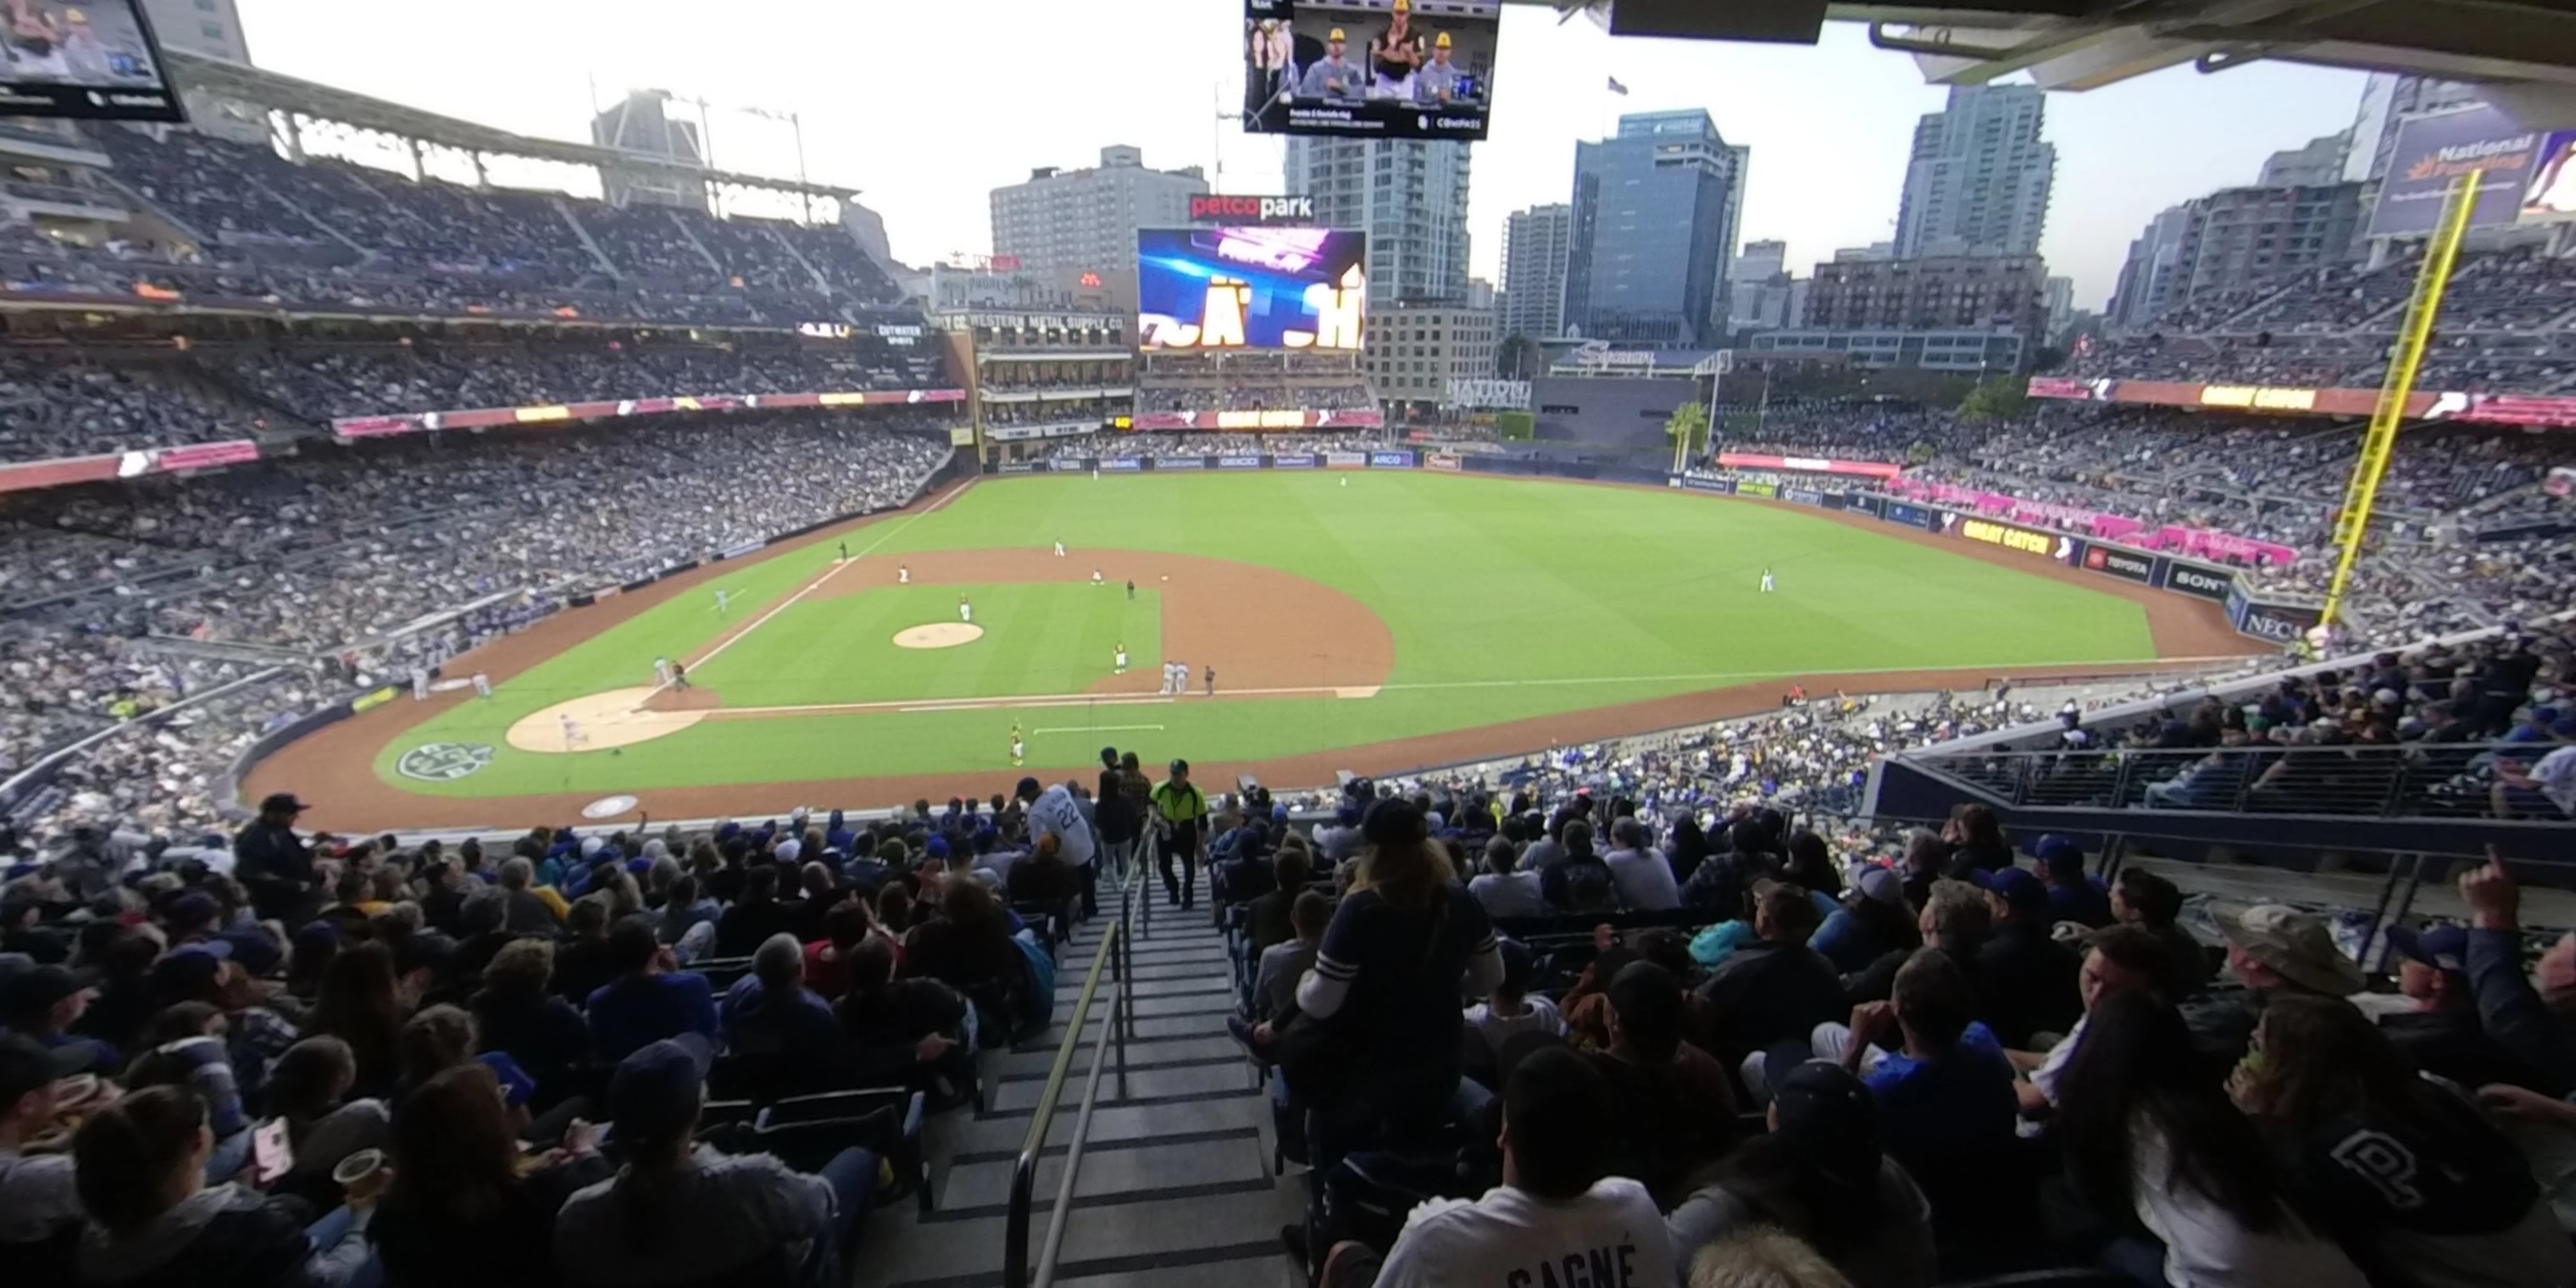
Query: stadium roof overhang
{"points": [[287, 93], [2086, 44]]}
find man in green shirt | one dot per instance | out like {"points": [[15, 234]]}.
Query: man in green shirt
{"points": [[1183, 809]]}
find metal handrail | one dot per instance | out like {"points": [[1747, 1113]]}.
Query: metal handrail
{"points": [[2362, 780], [1117, 1025]]}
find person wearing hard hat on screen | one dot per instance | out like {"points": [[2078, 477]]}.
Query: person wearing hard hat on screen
{"points": [[1439, 80], [1332, 76], [1396, 55]]}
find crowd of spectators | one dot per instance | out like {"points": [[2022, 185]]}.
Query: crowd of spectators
{"points": [[1240, 396], [311, 560], [341, 1061], [324, 233], [56, 405], [1799, 1065], [1133, 446]]}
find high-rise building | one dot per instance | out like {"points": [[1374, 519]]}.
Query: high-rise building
{"points": [[1655, 213], [1070, 222], [209, 28], [2320, 162], [1979, 179], [2059, 297], [2386, 99], [1408, 195], [2231, 239], [1864, 254], [1759, 260], [1415, 350], [1948, 292], [1536, 242]]}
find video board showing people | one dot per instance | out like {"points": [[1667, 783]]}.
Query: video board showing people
{"points": [[93, 58], [1396, 69]]}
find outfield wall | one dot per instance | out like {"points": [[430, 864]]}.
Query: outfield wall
{"points": [[2275, 622]]}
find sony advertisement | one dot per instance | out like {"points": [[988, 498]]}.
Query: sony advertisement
{"points": [[1250, 288], [1370, 69]]}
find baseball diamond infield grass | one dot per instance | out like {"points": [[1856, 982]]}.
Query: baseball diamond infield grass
{"points": [[1338, 609]]}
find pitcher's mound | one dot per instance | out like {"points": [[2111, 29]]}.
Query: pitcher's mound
{"points": [[938, 635], [600, 721]]}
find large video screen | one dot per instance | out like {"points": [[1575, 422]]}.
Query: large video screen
{"points": [[1374, 69], [1250, 288], [91, 58]]}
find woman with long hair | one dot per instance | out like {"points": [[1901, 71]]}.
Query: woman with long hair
{"points": [[1820, 1174], [1976, 840], [359, 1005], [1687, 847], [2409, 1176], [1385, 985], [2151, 1142], [308, 1090], [464, 1206], [154, 1222]]}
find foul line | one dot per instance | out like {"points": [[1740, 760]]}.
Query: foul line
{"points": [[1100, 729], [1050, 701], [817, 584]]}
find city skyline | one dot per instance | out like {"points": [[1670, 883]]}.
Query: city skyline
{"points": [[1831, 126]]}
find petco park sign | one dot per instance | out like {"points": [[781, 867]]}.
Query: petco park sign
{"points": [[1215, 208]]}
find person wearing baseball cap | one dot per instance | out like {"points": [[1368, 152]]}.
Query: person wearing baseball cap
{"points": [[1872, 921], [1396, 55], [274, 864], [41, 1201], [2073, 895], [2025, 978], [2441, 1032], [680, 1212], [42, 1005], [1183, 809], [1333, 76], [1438, 82], [1054, 812], [1822, 1173]]}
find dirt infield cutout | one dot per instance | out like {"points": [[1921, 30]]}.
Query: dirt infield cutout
{"points": [[938, 635], [600, 722]]}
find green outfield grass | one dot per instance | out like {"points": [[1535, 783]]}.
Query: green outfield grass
{"points": [[1506, 599], [1053, 638]]}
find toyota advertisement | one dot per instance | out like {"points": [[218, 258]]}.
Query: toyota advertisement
{"points": [[1250, 288]]}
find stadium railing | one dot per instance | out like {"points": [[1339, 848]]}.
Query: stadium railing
{"points": [[1118, 1025], [2406, 780]]}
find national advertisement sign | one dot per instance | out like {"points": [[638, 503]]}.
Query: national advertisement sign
{"points": [[2127, 565], [1913, 516], [1121, 465], [1391, 460], [2198, 579], [2271, 623], [1747, 487], [2432, 150], [1446, 462], [1703, 483], [1018, 467], [1300, 461], [1345, 460], [1238, 462], [1803, 496]]}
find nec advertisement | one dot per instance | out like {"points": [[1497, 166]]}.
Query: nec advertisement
{"points": [[1372, 69], [1250, 288], [90, 59]]}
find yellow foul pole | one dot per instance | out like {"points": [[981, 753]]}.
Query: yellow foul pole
{"points": [[2352, 520]]}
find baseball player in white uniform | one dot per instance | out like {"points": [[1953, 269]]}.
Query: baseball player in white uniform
{"points": [[1059, 550], [965, 611], [903, 574], [419, 685], [661, 670], [1122, 660], [724, 602], [1766, 581], [482, 686]]}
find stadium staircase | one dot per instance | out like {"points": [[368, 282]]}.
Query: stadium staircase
{"points": [[1175, 1185]]}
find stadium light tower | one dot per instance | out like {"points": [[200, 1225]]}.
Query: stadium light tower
{"points": [[2352, 519]]}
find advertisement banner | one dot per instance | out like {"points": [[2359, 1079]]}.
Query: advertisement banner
{"points": [[1391, 460], [1913, 516], [1018, 467], [1228, 208], [1300, 461], [1069, 465], [2433, 150], [2010, 536], [737, 552], [2271, 623], [1864, 502], [198, 456], [2198, 579], [2508, 409], [2127, 565], [1238, 462], [1168, 463], [1345, 460], [1703, 483], [1117, 465], [1443, 461], [1808, 465], [1747, 487], [1803, 496], [2061, 387], [1214, 289]]}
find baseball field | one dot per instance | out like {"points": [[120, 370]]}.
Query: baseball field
{"points": [[1374, 621]]}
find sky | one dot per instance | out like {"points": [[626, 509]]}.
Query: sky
{"points": [[923, 114]]}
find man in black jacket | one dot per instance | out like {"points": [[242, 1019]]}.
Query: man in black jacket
{"points": [[2025, 979], [273, 863], [1778, 989]]}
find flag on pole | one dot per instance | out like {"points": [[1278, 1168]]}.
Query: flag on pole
{"points": [[1616, 87]]}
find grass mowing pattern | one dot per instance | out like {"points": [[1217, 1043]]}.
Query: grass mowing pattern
{"points": [[1506, 598], [1050, 638]]}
